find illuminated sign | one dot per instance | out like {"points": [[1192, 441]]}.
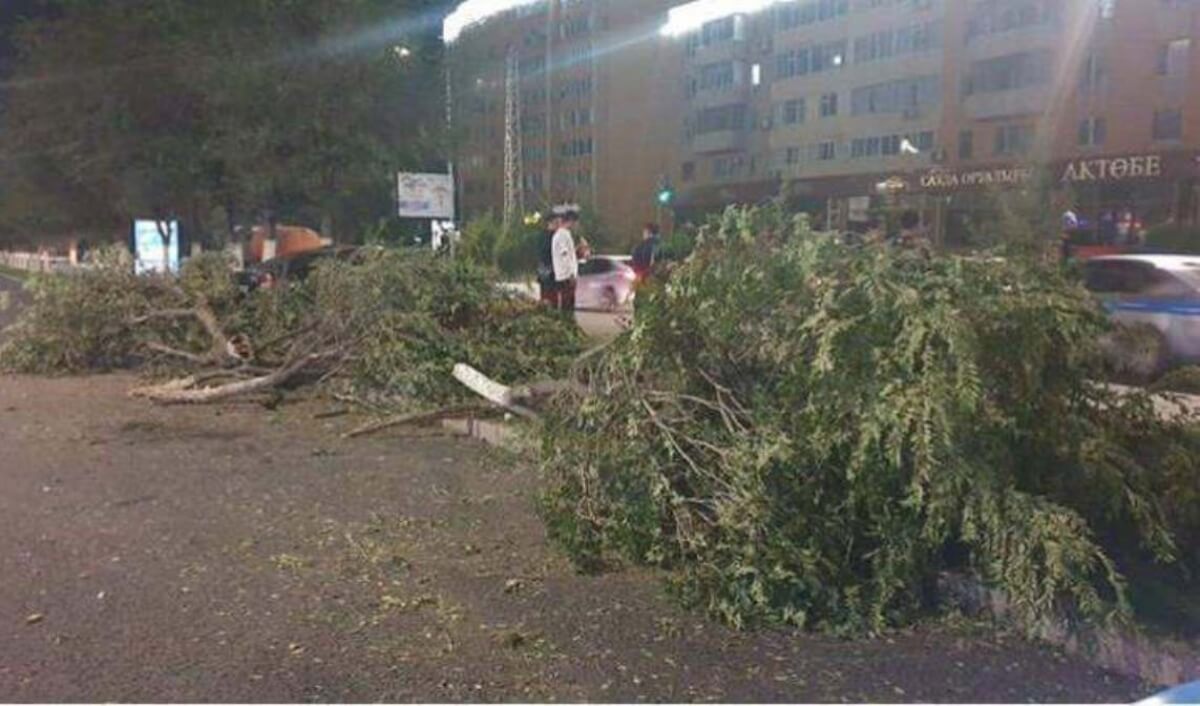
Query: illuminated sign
{"points": [[1113, 169], [1079, 171], [1002, 176], [156, 247], [428, 196]]}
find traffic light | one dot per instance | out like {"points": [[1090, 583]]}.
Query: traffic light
{"points": [[666, 194]]}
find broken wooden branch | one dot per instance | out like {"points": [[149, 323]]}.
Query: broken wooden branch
{"points": [[491, 390], [413, 419], [184, 391], [163, 349]]}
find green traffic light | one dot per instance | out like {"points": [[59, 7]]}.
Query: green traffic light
{"points": [[666, 196]]}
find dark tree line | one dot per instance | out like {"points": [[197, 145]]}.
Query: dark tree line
{"points": [[217, 113]]}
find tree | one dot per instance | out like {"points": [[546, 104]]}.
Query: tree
{"points": [[299, 109]]}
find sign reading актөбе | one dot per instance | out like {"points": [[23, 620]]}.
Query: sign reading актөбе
{"points": [[1148, 166], [1078, 171]]}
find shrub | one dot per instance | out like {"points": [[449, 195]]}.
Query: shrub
{"points": [[511, 251], [807, 433], [78, 322], [1184, 380]]}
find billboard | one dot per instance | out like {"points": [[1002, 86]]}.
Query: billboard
{"points": [[150, 253], [427, 196]]}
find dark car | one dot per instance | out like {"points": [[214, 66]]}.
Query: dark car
{"points": [[290, 268]]}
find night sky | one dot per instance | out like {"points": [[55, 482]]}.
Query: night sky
{"points": [[12, 12]]}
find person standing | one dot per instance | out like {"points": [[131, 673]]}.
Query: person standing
{"points": [[645, 253], [566, 263], [1070, 226]]}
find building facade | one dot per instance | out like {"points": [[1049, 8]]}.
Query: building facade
{"points": [[841, 106], [595, 115]]}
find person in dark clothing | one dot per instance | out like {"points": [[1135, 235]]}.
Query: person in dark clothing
{"points": [[645, 254], [546, 281]]}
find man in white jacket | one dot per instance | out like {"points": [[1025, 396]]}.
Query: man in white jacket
{"points": [[566, 264]]}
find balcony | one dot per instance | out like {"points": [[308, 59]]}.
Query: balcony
{"points": [[1002, 104], [733, 49], [719, 141], [1032, 38], [711, 98]]}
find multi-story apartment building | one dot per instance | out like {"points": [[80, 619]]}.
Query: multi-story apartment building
{"points": [[837, 105], [595, 123]]}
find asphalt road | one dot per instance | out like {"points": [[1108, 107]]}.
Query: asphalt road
{"points": [[11, 298], [232, 554]]}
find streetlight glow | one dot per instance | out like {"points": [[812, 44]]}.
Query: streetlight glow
{"points": [[693, 15], [473, 12]]}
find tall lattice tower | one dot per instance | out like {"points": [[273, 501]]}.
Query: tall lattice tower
{"points": [[514, 187]]}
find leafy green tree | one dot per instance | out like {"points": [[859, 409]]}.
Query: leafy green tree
{"points": [[297, 109]]}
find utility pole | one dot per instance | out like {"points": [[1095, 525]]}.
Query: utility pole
{"points": [[514, 187]]}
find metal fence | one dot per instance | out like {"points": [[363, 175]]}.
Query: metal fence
{"points": [[36, 262]]}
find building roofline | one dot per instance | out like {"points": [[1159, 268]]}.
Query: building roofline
{"points": [[472, 12]]}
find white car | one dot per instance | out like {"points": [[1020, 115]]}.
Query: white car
{"points": [[1161, 292], [606, 283]]}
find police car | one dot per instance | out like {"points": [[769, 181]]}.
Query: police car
{"points": [[1157, 293]]}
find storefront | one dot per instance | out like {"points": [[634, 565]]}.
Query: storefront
{"points": [[963, 207], [1109, 194]]}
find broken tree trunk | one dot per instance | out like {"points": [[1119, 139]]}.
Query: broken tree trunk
{"points": [[183, 391], [413, 419], [490, 390]]}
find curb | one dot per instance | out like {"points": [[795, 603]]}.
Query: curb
{"points": [[498, 434], [1160, 661]]}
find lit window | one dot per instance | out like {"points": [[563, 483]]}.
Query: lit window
{"points": [[1173, 57]]}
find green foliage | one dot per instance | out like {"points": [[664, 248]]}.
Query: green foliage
{"points": [[403, 319], [78, 322], [511, 251], [414, 316], [1174, 238], [1026, 218], [807, 433], [1184, 380], [677, 246]]}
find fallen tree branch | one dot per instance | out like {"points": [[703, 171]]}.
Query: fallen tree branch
{"points": [[220, 350], [162, 314], [179, 392], [176, 353], [491, 390], [414, 418]]}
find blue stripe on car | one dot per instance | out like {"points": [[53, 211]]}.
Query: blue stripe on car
{"points": [[1189, 307]]}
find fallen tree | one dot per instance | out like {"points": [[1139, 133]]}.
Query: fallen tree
{"points": [[387, 327], [808, 433]]}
